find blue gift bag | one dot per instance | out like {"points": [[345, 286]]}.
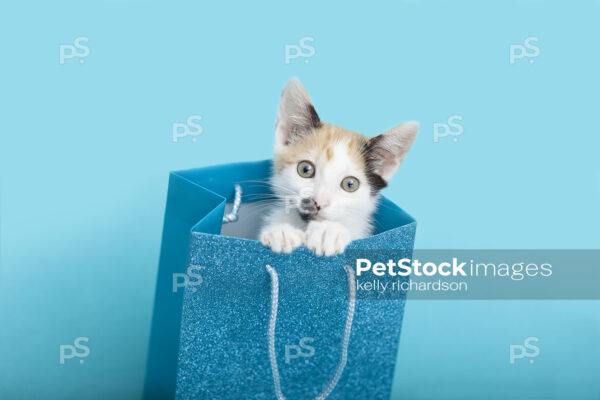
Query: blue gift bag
{"points": [[234, 320]]}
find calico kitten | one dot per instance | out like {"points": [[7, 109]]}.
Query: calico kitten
{"points": [[328, 177]]}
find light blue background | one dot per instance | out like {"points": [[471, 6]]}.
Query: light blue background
{"points": [[86, 150]]}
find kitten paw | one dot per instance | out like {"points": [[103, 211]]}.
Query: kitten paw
{"points": [[326, 238], [282, 238]]}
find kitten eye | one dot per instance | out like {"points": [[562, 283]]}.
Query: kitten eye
{"points": [[350, 184], [306, 169]]}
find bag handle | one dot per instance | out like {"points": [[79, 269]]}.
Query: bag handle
{"points": [[235, 206], [346, 338]]}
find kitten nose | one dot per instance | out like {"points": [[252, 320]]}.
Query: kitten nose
{"points": [[309, 203], [308, 209]]}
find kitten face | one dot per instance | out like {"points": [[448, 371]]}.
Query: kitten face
{"points": [[328, 173], [324, 176]]}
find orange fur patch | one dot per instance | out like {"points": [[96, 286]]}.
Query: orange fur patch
{"points": [[329, 153], [321, 141]]}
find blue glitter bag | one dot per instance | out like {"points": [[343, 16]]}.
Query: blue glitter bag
{"points": [[234, 320]]}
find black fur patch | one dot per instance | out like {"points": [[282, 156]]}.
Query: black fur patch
{"points": [[315, 121], [376, 182], [369, 151]]}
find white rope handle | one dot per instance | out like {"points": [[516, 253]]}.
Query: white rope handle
{"points": [[345, 340], [235, 207]]}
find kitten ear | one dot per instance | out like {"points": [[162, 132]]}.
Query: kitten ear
{"points": [[385, 152], [296, 115]]}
